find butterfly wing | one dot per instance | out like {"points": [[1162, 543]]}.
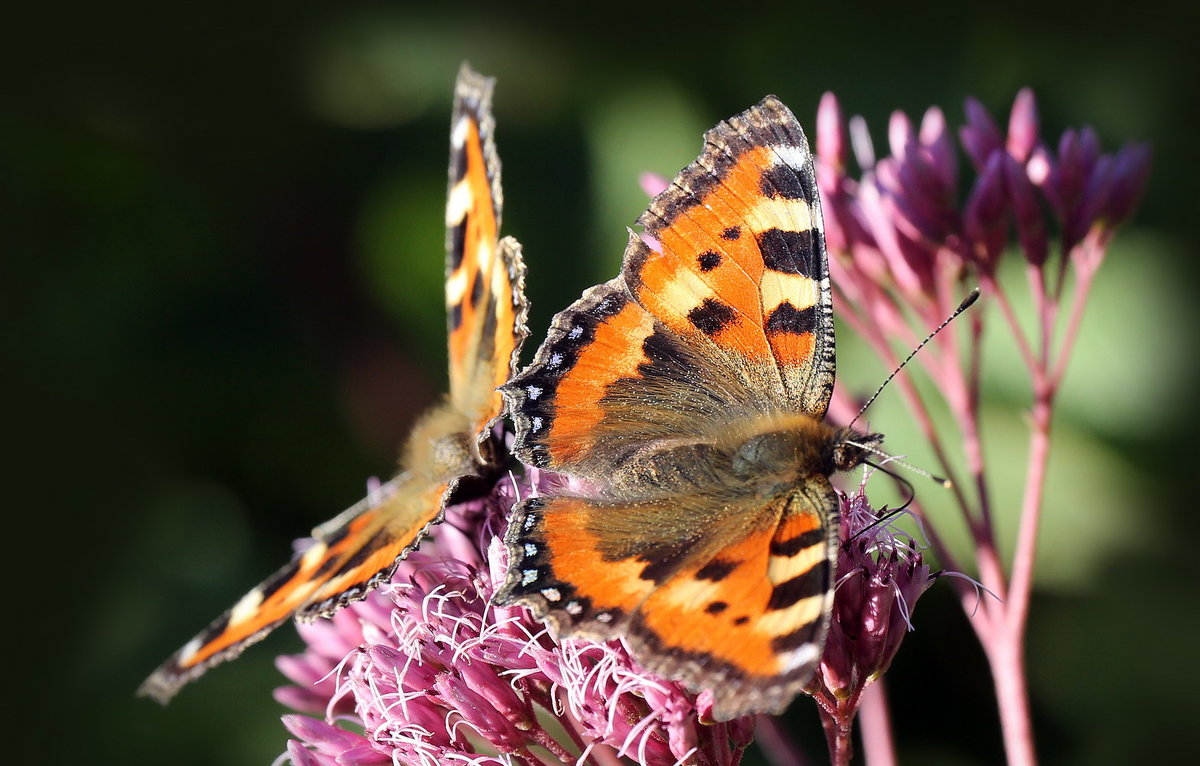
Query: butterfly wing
{"points": [[348, 557], [485, 277], [718, 328], [732, 597], [740, 265], [358, 550]]}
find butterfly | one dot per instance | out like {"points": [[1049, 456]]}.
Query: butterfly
{"points": [[450, 455], [684, 402]]}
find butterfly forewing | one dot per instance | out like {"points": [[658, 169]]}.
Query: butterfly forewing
{"points": [[485, 277], [741, 258]]}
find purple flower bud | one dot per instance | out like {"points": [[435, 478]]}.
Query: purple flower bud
{"points": [[476, 710], [860, 141], [1023, 126], [327, 740], [938, 147], [1026, 206], [831, 133], [880, 577], [985, 224], [980, 137], [1077, 154], [908, 263], [1096, 192], [1130, 172], [900, 134]]}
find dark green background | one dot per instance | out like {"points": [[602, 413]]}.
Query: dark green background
{"points": [[221, 252]]}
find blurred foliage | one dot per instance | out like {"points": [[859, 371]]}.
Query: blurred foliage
{"points": [[221, 263]]}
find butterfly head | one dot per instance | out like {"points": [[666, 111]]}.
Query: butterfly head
{"points": [[850, 448]]}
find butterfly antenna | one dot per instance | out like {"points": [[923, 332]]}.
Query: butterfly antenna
{"points": [[946, 483], [966, 303]]}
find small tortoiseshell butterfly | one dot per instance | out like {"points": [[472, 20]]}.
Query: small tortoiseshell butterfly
{"points": [[449, 455], [685, 401]]}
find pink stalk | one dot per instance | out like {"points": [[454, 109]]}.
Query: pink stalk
{"points": [[903, 244], [876, 727]]}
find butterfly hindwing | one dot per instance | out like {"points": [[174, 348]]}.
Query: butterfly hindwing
{"points": [[733, 596]]}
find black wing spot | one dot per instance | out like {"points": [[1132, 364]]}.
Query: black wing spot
{"points": [[786, 318], [731, 233], [790, 252], [711, 316], [716, 570], [716, 607], [811, 583], [476, 288], [458, 243], [708, 260], [741, 620], [458, 165], [794, 640], [798, 543], [782, 181]]}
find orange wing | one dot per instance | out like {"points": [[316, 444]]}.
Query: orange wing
{"points": [[485, 277], [724, 317], [358, 550], [740, 263], [746, 618]]}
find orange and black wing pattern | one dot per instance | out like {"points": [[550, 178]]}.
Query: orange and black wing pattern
{"points": [[360, 549], [686, 399], [485, 276]]}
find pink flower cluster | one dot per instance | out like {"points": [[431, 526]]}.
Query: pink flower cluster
{"points": [[427, 671]]}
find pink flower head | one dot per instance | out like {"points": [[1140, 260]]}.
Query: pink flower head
{"points": [[427, 671], [880, 576]]}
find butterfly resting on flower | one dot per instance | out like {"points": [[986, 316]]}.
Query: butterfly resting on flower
{"points": [[684, 401]]}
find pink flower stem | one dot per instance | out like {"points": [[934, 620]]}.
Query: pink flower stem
{"points": [[1005, 647], [1021, 583], [971, 435], [1007, 661], [992, 288], [837, 717], [1083, 286], [875, 726], [777, 745], [541, 737], [528, 757], [965, 405], [1046, 309]]}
